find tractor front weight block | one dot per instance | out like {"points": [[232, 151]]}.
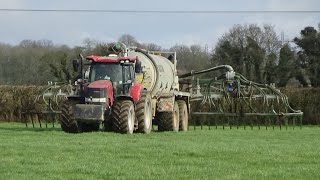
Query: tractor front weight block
{"points": [[89, 112]]}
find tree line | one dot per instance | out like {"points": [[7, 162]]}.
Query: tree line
{"points": [[254, 51]]}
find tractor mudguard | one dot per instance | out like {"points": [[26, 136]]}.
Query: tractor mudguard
{"points": [[135, 91]]}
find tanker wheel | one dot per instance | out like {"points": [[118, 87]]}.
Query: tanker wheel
{"points": [[123, 116], [169, 121], [68, 122], [144, 113], [183, 115]]}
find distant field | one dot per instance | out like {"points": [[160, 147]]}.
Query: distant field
{"points": [[34, 153]]}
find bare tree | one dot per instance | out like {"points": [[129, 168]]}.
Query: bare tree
{"points": [[129, 40]]}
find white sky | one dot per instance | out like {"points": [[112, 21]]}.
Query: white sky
{"points": [[163, 29]]}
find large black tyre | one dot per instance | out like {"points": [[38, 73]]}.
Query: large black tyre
{"points": [[144, 113], [183, 116], [123, 116], [68, 122], [169, 121]]}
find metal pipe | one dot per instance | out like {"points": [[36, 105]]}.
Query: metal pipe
{"points": [[123, 80], [228, 67], [82, 74]]}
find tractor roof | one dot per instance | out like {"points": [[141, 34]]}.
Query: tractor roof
{"points": [[111, 59]]}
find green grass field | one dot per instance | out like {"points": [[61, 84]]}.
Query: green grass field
{"points": [[34, 153]]}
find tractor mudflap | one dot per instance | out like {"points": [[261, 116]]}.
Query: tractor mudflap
{"points": [[89, 112]]}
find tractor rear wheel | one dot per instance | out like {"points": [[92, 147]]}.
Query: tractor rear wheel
{"points": [[183, 115], [169, 121], [144, 113], [68, 122], [123, 116]]}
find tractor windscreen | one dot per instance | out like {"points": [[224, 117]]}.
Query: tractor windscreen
{"points": [[99, 71]]}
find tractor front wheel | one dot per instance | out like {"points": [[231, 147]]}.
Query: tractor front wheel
{"points": [[123, 116], [68, 122]]}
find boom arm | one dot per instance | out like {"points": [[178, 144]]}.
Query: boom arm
{"points": [[230, 74]]}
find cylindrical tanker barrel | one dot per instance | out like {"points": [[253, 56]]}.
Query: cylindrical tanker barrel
{"points": [[159, 72]]}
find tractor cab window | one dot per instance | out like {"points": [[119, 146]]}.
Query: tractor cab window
{"points": [[129, 73], [99, 71], [110, 71]]}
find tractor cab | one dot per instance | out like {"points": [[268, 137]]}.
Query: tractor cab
{"points": [[120, 71]]}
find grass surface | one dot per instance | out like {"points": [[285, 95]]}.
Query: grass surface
{"points": [[34, 153]]}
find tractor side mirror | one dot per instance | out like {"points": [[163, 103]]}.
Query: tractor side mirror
{"points": [[76, 64], [138, 67], [86, 74]]}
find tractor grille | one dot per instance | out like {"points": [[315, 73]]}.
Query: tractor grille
{"points": [[96, 95]]}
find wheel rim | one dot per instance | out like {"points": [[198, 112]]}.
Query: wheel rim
{"points": [[147, 115], [130, 120]]}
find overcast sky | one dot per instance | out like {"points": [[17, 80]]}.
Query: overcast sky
{"points": [[163, 29]]}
